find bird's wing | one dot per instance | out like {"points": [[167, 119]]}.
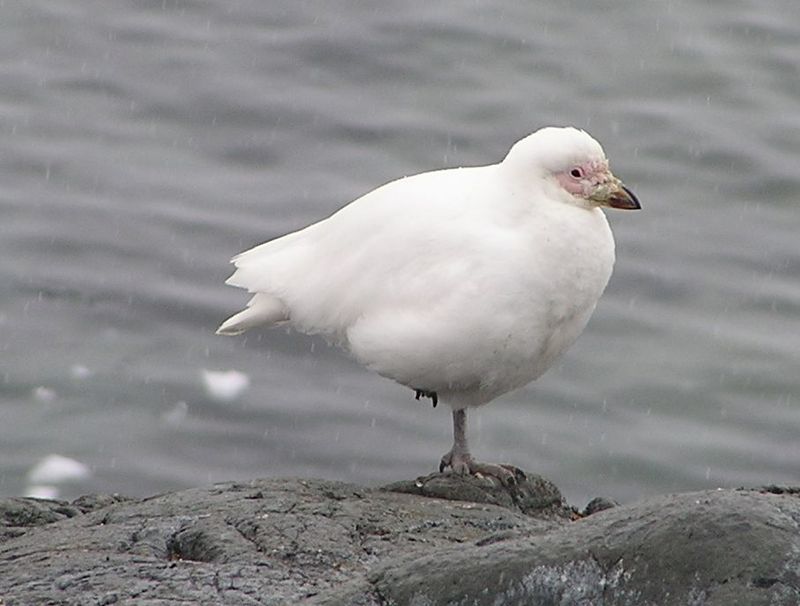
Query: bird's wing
{"points": [[410, 239]]}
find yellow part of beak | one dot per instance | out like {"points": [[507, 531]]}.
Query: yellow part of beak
{"points": [[616, 195]]}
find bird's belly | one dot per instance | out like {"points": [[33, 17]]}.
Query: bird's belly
{"points": [[532, 345], [466, 355], [498, 320]]}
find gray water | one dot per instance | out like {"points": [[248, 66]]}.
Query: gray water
{"points": [[145, 143]]}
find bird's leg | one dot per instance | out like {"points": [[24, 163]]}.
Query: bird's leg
{"points": [[459, 459]]}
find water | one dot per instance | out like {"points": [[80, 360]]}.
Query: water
{"points": [[145, 143]]}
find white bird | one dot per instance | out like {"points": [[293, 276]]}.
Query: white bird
{"points": [[461, 284]]}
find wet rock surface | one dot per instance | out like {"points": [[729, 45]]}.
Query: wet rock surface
{"points": [[441, 539]]}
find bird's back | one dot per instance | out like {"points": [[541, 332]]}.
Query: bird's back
{"points": [[370, 253]]}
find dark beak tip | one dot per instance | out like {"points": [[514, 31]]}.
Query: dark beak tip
{"points": [[626, 202], [636, 204]]}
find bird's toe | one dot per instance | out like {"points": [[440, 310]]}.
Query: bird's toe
{"points": [[507, 474], [458, 463], [463, 464]]}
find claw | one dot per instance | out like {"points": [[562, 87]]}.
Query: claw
{"points": [[424, 393]]}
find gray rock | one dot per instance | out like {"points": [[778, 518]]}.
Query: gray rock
{"points": [[532, 495], [293, 541], [714, 547]]}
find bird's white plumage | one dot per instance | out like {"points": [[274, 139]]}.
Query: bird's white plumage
{"points": [[467, 282]]}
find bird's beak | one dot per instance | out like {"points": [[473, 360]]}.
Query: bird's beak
{"points": [[615, 195]]}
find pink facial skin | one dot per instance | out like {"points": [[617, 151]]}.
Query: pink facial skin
{"points": [[582, 179]]}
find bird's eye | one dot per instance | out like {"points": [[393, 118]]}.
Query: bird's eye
{"points": [[576, 172]]}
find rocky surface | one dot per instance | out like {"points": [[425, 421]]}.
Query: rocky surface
{"points": [[441, 539]]}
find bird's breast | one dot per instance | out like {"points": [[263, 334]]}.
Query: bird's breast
{"points": [[546, 298], [487, 313]]}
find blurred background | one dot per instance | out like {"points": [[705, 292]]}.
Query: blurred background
{"points": [[145, 143]]}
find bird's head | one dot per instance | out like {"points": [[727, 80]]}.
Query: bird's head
{"points": [[571, 161]]}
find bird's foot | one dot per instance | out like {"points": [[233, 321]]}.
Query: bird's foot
{"points": [[462, 463], [424, 393]]}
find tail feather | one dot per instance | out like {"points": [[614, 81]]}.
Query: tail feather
{"points": [[262, 310]]}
